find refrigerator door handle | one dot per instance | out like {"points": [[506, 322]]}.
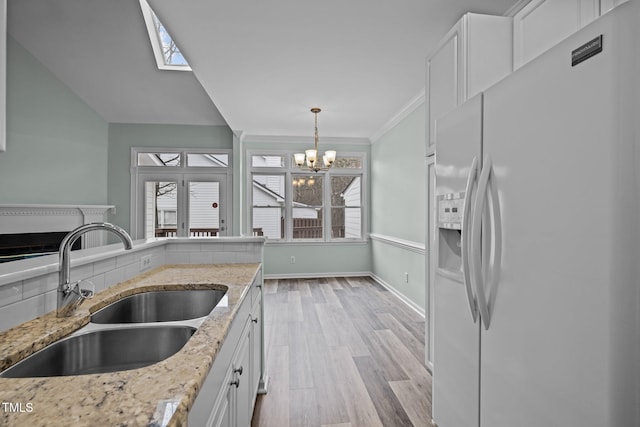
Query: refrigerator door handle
{"points": [[466, 231], [486, 184]]}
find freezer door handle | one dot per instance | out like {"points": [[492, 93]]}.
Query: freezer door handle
{"points": [[486, 189], [465, 237]]}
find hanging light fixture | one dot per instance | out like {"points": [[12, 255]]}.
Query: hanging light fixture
{"points": [[310, 157]]}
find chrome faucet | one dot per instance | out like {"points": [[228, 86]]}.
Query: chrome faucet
{"points": [[70, 295]]}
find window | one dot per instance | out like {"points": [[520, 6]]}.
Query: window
{"points": [[307, 209], [346, 206], [291, 205], [268, 206], [165, 50], [180, 193]]}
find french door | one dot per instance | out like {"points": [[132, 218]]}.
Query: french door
{"points": [[182, 205]]}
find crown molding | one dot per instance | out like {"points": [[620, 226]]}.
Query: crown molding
{"points": [[520, 4], [409, 108]]}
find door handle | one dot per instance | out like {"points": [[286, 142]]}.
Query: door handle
{"points": [[486, 187], [465, 237]]}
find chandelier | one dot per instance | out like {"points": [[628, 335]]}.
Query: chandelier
{"points": [[310, 157]]}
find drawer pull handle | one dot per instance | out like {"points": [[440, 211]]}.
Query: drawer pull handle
{"points": [[254, 320], [235, 383], [238, 370]]}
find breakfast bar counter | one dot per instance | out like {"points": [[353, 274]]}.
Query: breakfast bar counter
{"points": [[160, 394]]}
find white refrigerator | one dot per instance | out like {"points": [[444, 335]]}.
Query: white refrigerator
{"points": [[537, 300]]}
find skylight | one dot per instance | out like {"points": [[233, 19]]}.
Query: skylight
{"points": [[165, 50]]}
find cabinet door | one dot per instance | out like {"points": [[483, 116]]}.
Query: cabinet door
{"points": [[256, 348], [430, 259], [541, 24], [475, 54], [223, 416], [242, 368], [442, 82]]}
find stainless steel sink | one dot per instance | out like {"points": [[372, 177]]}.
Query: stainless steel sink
{"points": [[102, 351], [160, 306]]}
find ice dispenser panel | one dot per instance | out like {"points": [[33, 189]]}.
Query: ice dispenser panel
{"points": [[450, 233]]}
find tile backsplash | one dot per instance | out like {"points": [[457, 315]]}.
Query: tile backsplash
{"points": [[29, 290]]}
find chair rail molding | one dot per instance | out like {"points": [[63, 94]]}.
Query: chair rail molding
{"points": [[400, 243]]}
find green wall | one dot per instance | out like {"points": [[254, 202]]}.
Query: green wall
{"points": [[313, 260], [398, 200], [399, 180], [123, 137], [56, 144]]}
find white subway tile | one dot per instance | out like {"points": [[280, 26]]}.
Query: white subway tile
{"points": [[40, 285], [113, 277], [200, 258], [104, 265], [177, 257], [131, 270], [10, 293], [224, 258], [81, 272], [21, 311]]}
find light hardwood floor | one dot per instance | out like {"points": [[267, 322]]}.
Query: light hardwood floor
{"points": [[342, 352]]}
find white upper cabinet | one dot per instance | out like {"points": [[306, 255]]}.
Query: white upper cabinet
{"points": [[475, 54], [541, 24]]}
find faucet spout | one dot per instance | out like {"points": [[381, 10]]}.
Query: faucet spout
{"points": [[68, 296]]}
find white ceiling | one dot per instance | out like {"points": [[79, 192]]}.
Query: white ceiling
{"points": [[263, 63], [101, 50]]}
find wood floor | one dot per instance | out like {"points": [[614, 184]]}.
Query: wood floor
{"points": [[342, 352]]}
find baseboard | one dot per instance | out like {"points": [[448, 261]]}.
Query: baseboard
{"points": [[316, 275], [415, 307]]}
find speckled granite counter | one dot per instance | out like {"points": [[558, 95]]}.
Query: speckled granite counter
{"points": [[157, 395]]}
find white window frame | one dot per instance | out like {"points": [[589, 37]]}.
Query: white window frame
{"points": [[140, 174], [288, 170], [154, 38]]}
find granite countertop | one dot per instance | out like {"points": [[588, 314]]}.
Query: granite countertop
{"points": [[157, 395]]}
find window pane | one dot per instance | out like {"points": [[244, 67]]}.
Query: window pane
{"points": [[158, 159], [346, 200], [307, 206], [348, 163], [268, 190], [307, 190], [160, 208], [204, 209], [268, 206], [267, 161], [345, 191], [307, 223], [170, 51], [346, 222], [207, 160], [268, 222]]}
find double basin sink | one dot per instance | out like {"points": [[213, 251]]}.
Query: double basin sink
{"points": [[124, 335]]}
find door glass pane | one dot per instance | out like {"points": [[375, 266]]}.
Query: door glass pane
{"points": [[346, 212], [268, 206], [160, 201], [158, 159], [267, 161], [207, 160], [307, 207], [204, 209]]}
